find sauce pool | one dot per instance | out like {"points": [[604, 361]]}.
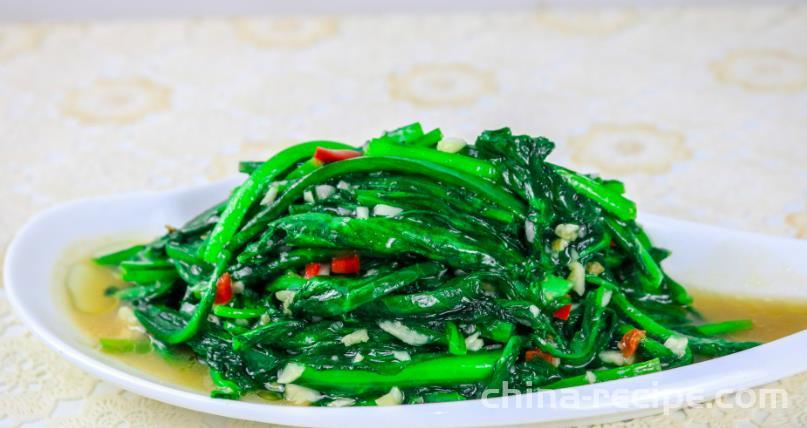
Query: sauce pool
{"points": [[83, 284], [773, 318]]}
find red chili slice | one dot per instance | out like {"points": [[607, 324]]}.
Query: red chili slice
{"points": [[630, 341], [563, 312], [346, 264], [224, 289], [532, 354], [330, 155], [311, 270]]}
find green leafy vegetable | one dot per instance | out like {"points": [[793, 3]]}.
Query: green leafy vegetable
{"points": [[333, 276]]}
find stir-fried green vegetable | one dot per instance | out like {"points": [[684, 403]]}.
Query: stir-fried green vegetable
{"points": [[416, 269]]}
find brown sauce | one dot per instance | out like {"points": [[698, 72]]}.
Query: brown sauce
{"points": [[773, 318]]}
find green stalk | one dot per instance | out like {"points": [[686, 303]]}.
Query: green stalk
{"points": [[146, 291], [253, 189], [451, 177], [325, 297], [237, 313], [429, 139], [455, 339], [638, 369], [439, 371], [115, 258], [504, 365], [466, 164], [174, 334], [119, 346], [452, 296], [630, 242], [611, 201], [723, 327]]}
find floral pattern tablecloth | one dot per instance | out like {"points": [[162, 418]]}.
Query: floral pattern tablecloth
{"points": [[701, 110]]}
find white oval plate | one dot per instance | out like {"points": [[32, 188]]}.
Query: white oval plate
{"points": [[705, 256]]}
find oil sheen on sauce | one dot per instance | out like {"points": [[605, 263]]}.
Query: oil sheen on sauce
{"points": [[83, 285], [96, 315]]}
